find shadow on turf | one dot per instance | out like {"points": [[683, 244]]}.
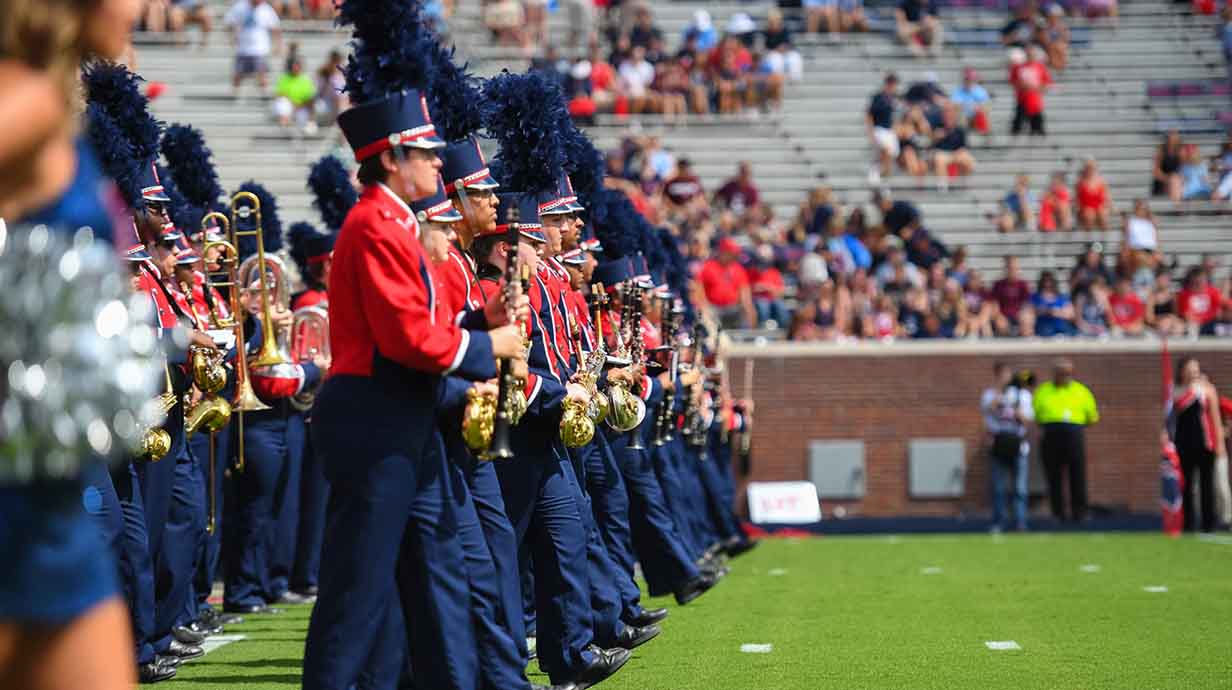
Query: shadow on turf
{"points": [[256, 663], [243, 681]]}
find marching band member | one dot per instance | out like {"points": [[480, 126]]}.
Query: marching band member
{"points": [[333, 196], [263, 488], [390, 349]]}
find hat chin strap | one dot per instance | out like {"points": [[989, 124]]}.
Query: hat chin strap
{"points": [[469, 211]]}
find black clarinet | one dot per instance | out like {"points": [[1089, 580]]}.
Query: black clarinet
{"points": [[633, 305], [500, 448], [663, 416]]}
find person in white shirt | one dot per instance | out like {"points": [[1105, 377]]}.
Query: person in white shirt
{"points": [[255, 30], [1007, 411], [637, 74]]}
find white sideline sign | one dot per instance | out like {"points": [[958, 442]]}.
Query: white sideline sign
{"points": [[793, 503]]}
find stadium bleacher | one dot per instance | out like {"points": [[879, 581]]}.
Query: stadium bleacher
{"points": [[1159, 68]]}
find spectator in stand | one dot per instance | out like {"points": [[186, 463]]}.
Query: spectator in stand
{"points": [[914, 137], [1088, 267], [1054, 36], [959, 270], [821, 201], [1020, 31], [777, 41], [896, 275], [1093, 308], [1141, 238], [1166, 168], [1195, 178], [671, 82], [728, 67], [702, 31], [725, 287], [919, 27], [644, 32], [913, 313], [505, 20], [535, 27], [985, 319], [882, 323], [1030, 78], [768, 288], [1126, 310], [880, 125], [683, 190], [898, 217], [1162, 313], [1013, 297], [846, 250], [766, 81], [177, 15], [1017, 207], [636, 77], [1054, 311], [742, 27], [1056, 209], [739, 193], [1095, 9], [1198, 303], [950, 154], [923, 249], [973, 98], [929, 95], [951, 311], [604, 83], [1092, 194], [331, 99], [255, 30], [1225, 39], [294, 95], [822, 15], [851, 16]]}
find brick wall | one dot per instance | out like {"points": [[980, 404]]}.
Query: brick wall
{"points": [[889, 394]]}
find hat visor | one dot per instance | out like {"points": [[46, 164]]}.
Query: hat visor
{"points": [[137, 253], [156, 196], [186, 260], [430, 142], [576, 207], [484, 183], [533, 235], [448, 216]]}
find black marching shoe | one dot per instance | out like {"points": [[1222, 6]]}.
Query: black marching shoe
{"points": [[185, 651], [168, 660], [648, 617], [187, 635], [693, 589], [199, 626], [155, 672], [737, 546], [309, 591], [631, 637], [607, 662], [212, 616], [562, 686], [293, 598], [251, 609]]}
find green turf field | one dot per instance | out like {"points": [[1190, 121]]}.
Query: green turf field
{"points": [[900, 612]]}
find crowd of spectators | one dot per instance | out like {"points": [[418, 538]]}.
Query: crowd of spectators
{"points": [[923, 131]]}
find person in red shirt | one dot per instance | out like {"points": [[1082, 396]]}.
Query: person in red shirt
{"points": [[767, 286], [1013, 295], [725, 286], [1198, 302], [1128, 313], [1030, 80]]}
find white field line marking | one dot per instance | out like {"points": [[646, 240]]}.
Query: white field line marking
{"points": [[1215, 539], [893, 539], [749, 648], [1155, 589], [1002, 645], [216, 641], [931, 570], [1089, 568], [776, 572]]}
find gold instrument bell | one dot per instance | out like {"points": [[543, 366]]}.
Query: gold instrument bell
{"points": [[211, 413], [309, 338], [577, 427], [478, 420]]}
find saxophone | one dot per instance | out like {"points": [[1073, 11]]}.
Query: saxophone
{"points": [[625, 410]]}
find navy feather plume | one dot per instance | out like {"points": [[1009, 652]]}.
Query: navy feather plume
{"points": [[615, 224], [296, 234], [271, 225], [188, 159], [333, 194], [453, 96], [656, 258], [183, 214], [522, 112], [118, 92], [390, 47], [115, 155], [586, 165]]}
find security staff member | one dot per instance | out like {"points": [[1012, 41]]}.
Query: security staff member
{"points": [[1063, 408]]}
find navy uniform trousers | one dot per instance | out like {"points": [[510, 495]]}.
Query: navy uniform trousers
{"points": [[608, 515], [540, 500], [259, 491], [390, 540], [174, 516], [665, 561], [287, 505], [210, 555], [313, 497], [605, 595], [675, 490]]}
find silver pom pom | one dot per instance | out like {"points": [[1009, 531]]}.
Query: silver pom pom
{"points": [[79, 359]]}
